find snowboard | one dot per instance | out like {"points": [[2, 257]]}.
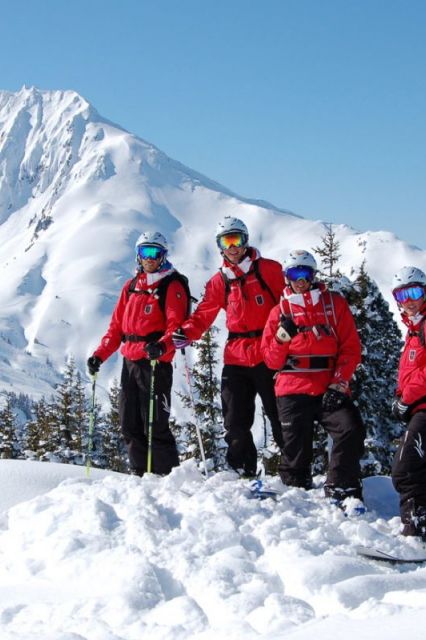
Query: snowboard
{"points": [[383, 556]]}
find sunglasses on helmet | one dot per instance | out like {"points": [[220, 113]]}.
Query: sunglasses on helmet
{"points": [[150, 252], [414, 292], [300, 273], [236, 239]]}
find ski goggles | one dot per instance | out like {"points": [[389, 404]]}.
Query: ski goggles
{"points": [[300, 273], [236, 239], [409, 293], [150, 252]]}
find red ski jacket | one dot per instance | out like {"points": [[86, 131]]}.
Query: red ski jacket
{"points": [[326, 350], [247, 299], [412, 366], [139, 314]]}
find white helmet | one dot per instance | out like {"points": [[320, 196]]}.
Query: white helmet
{"points": [[407, 276], [152, 238], [300, 258], [229, 225]]}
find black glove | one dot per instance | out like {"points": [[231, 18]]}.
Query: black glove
{"points": [[179, 339], [93, 364], [400, 410], [155, 350], [286, 330], [332, 400]]}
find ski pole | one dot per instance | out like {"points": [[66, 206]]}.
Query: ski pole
{"points": [[151, 415], [91, 427], [197, 427]]}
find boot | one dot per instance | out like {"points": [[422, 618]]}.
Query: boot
{"points": [[413, 517], [303, 481]]}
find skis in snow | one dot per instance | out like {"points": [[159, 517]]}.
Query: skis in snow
{"points": [[383, 556]]}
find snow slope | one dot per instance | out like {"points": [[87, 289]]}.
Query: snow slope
{"points": [[124, 558], [75, 193]]}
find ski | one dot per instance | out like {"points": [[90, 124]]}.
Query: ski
{"points": [[383, 556], [259, 492]]}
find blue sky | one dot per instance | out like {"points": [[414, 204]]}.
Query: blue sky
{"points": [[317, 106]]}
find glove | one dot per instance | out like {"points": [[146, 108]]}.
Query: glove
{"points": [[155, 350], [179, 339], [93, 364], [400, 410], [333, 399], [286, 330]]}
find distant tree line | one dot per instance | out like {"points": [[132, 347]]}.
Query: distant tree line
{"points": [[57, 429]]}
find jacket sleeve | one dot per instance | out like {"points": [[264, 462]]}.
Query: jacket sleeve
{"points": [[274, 353], [412, 382], [176, 305], [112, 339], [349, 344], [204, 315]]}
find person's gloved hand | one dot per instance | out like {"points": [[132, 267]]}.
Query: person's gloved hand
{"points": [[400, 410], [286, 329], [155, 350], [334, 397], [179, 339], [93, 364]]}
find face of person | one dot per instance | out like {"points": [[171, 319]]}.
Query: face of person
{"points": [[300, 278], [300, 286], [234, 254], [410, 298], [412, 307], [149, 265]]}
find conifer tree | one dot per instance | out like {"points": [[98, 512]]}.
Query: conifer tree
{"points": [[375, 379], [70, 410], [8, 431], [114, 454], [40, 432], [328, 251], [208, 413]]}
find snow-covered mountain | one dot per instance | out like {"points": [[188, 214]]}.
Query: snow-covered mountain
{"points": [[75, 192]]}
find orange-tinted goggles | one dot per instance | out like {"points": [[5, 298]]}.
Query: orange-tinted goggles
{"points": [[232, 240]]}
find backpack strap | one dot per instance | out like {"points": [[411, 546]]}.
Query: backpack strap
{"points": [[263, 284], [241, 279], [160, 291], [420, 332]]}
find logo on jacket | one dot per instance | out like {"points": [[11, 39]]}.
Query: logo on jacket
{"points": [[412, 355], [418, 445], [259, 300], [165, 403], [148, 309]]}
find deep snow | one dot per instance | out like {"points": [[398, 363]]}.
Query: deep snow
{"points": [[118, 557]]}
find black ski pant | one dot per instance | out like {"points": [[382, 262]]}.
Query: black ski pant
{"points": [[409, 466], [239, 388], [298, 413], [134, 415]]}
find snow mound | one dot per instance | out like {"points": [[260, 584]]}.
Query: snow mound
{"points": [[118, 557]]}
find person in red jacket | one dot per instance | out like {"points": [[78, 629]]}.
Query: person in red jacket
{"points": [[144, 321], [310, 338], [247, 287], [409, 405]]}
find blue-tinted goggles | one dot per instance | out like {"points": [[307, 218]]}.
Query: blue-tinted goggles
{"points": [[409, 293], [300, 273], [150, 252]]}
